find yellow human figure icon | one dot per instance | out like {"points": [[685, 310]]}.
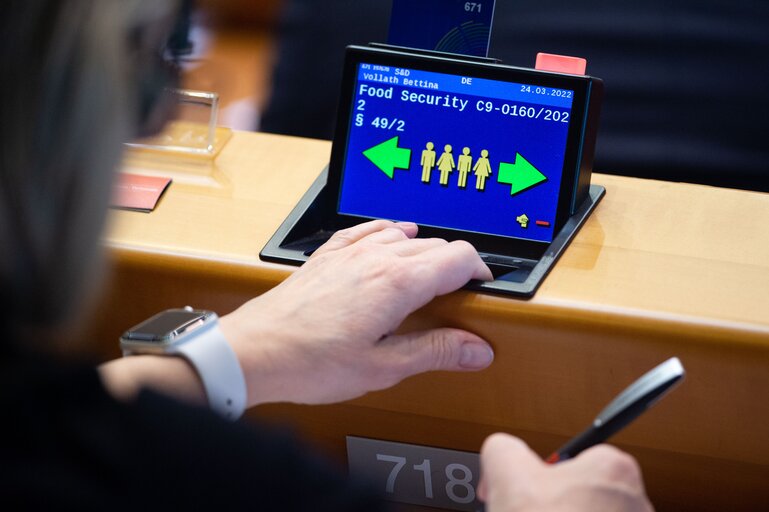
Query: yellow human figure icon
{"points": [[446, 164], [464, 164], [482, 170], [428, 161]]}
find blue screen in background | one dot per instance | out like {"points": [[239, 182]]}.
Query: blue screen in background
{"points": [[453, 26], [512, 191]]}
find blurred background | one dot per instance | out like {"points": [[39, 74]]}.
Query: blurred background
{"points": [[686, 81], [233, 47]]}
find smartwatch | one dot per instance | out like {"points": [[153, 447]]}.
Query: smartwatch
{"points": [[194, 335]]}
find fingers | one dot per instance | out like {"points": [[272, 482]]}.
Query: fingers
{"points": [[601, 478], [435, 267], [416, 270], [608, 462], [507, 465], [452, 265], [346, 237], [417, 245], [387, 236], [437, 349]]}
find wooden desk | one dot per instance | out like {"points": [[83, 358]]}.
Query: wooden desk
{"points": [[660, 269]]}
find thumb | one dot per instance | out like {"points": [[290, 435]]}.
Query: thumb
{"points": [[440, 349]]}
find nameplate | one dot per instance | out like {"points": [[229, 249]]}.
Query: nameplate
{"points": [[417, 475]]}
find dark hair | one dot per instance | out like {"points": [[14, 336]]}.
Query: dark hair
{"points": [[71, 74]]}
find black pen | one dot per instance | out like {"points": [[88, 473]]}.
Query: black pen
{"points": [[626, 407]]}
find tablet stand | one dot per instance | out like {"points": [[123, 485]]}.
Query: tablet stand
{"points": [[308, 226]]}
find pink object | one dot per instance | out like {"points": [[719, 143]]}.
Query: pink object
{"points": [[561, 63], [139, 193]]}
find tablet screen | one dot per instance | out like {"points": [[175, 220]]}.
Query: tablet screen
{"points": [[457, 152]]}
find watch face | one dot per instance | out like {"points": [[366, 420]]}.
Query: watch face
{"points": [[164, 326]]}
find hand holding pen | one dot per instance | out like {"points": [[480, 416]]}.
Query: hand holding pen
{"points": [[627, 406], [603, 478]]}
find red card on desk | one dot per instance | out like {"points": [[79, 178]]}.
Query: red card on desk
{"points": [[136, 192]]}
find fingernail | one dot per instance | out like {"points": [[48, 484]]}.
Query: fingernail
{"points": [[475, 356]]}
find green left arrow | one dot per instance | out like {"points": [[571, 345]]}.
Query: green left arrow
{"points": [[388, 156], [520, 176]]}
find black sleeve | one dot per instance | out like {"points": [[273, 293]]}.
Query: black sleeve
{"points": [[71, 446], [241, 465]]}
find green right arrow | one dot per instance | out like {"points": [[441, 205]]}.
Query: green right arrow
{"points": [[520, 176]]}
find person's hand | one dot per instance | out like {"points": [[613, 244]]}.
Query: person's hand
{"points": [[326, 333], [515, 479]]}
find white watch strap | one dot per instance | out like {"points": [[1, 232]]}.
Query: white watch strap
{"points": [[218, 368]]}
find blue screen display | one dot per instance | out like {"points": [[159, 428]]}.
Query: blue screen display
{"points": [[457, 152]]}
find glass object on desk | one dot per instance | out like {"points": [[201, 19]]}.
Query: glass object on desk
{"points": [[192, 131]]}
